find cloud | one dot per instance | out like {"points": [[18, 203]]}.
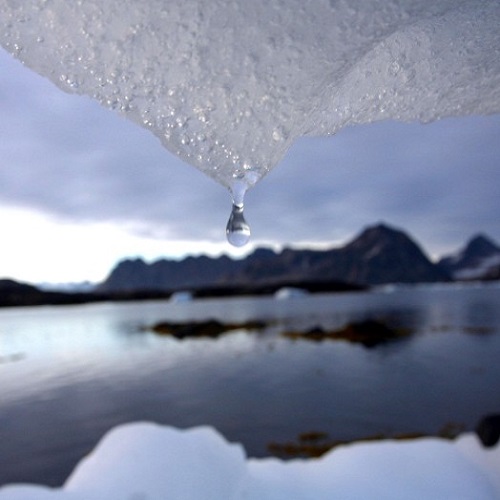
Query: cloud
{"points": [[65, 156], [437, 180]]}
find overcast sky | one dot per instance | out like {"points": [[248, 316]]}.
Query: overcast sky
{"points": [[81, 187]]}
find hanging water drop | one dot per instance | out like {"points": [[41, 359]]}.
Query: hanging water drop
{"points": [[237, 229]]}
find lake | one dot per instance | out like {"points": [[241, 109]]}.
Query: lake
{"points": [[70, 373]]}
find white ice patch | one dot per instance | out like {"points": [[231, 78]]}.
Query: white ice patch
{"points": [[143, 461], [229, 85], [479, 270]]}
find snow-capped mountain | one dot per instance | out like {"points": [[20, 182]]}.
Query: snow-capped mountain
{"points": [[479, 259]]}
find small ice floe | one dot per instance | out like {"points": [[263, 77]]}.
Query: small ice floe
{"points": [[289, 293], [183, 296]]}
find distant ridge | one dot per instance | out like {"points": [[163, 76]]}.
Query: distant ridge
{"points": [[168, 275], [13, 293], [379, 255]]}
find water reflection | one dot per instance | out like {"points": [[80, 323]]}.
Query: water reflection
{"points": [[86, 369]]}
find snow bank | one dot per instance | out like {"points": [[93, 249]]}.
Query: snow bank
{"points": [[229, 85], [143, 461]]}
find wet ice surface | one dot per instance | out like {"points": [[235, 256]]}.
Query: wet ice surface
{"points": [[228, 86]]}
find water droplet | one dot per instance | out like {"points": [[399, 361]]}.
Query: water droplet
{"points": [[237, 229]]}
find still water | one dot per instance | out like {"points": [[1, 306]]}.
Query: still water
{"points": [[70, 373]]}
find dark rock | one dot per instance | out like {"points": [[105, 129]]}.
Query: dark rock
{"points": [[492, 273], [210, 328], [315, 444], [369, 333], [488, 430]]}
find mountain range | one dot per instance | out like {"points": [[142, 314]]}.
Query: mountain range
{"points": [[379, 255]]}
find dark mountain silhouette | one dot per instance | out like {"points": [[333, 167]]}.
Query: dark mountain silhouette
{"points": [[379, 255], [479, 259], [164, 274], [13, 293], [384, 255]]}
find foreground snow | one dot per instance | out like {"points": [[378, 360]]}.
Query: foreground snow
{"points": [[146, 461]]}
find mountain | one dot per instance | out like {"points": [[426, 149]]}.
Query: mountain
{"points": [[479, 259], [385, 255], [14, 293], [379, 255], [164, 274]]}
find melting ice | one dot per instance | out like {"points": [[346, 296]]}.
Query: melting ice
{"points": [[228, 85]]}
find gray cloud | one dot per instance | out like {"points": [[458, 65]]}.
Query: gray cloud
{"points": [[439, 180], [66, 156]]}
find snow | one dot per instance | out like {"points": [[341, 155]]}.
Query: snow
{"points": [[229, 85], [145, 461], [479, 270]]}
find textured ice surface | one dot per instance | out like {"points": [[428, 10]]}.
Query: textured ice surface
{"points": [[145, 461], [229, 84]]}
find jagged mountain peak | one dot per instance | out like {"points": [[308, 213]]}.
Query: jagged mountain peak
{"points": [[380, 236], [380, 229], [481, 244], [384, 254]]}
